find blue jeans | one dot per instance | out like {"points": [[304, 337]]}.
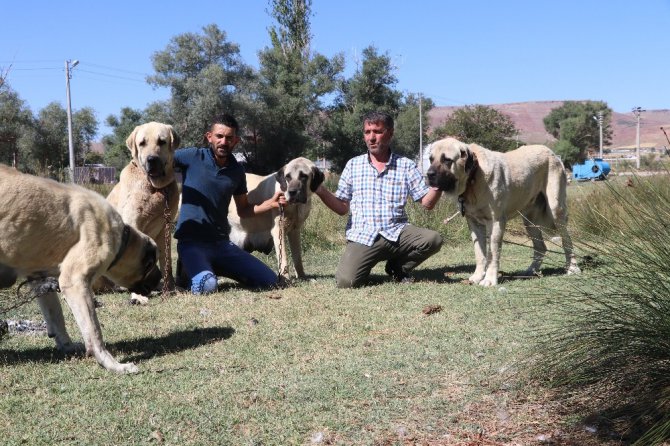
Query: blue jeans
{"points": [[204, 261]]}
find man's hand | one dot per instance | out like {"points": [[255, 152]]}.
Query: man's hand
{"points": [[278, 199]]}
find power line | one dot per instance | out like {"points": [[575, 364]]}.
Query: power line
{"points": [[111, 75], [116, 69]]}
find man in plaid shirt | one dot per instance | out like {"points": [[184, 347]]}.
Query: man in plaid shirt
{"points": [[373, 190]]}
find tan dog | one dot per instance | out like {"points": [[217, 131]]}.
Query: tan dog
{"points": [[66, 231], [494, 187], [298, 180], [140, 194]]}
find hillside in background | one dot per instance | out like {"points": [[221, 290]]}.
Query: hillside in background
{"points": [[528, 116]]}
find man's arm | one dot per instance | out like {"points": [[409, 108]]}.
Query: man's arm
{"points": [[246, 209], [429, 200], [336, 205]]}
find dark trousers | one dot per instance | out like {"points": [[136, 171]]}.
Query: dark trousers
{"points": [[413, 247]]}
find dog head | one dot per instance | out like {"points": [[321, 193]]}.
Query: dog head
{"points": [[152, 147], [451, 164], [299, 178], [134, 265]]}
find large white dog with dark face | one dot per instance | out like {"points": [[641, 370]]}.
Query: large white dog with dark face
{"points": [[494, 187], [66, 231], [147, 190], [298, 180]]}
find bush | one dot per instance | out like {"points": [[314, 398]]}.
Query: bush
{"points": [[608, 335]]}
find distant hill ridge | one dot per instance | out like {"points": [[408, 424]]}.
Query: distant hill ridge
{"points": [[528, 116]]}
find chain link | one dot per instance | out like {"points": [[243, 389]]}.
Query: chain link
{"points": [[280, 256], [167, 273], [50, 284]]}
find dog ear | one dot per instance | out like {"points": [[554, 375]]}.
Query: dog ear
{"points": [[130, 143], [470, 161], [176, 140], [317, 179], [281, 179]]}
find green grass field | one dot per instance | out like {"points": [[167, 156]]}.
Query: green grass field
{"points": [[309, 364]]}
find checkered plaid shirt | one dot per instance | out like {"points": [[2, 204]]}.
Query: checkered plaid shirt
{"points": [[377, 200]]}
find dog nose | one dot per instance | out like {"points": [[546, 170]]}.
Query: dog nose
{"points": [[430, 177], [153, 161], [148, 283]]}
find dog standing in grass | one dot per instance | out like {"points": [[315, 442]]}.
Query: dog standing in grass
{"points": [[493, 187], [298, 180], [147, 186], [50, 229]]}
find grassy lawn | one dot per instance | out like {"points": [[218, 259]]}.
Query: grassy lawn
{"points": [[309, 364]]}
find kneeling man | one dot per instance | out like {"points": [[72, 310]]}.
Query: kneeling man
{"points": [[373, 189]]}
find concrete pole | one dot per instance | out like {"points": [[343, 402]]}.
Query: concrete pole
{"points": [[600, 125], [637, 111], [420, 136], [69, 119]]}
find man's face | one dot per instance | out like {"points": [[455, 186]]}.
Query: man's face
{"points": [[377, 137], [222, 140]]}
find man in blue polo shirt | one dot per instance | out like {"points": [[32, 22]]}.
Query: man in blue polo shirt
{"points": [[211, 176], [373, 189]]}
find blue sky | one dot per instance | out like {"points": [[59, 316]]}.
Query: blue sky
{"points": [[455, 52]]}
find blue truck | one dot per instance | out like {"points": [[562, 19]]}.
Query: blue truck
{"points": [[591, 170]]}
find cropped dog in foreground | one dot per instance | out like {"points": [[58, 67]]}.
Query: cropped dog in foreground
{"points": [[146, 186], [493, 187], [298, 180], [66, 231]]}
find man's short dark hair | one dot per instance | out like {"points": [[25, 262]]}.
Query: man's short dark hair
{"points": [[377, 116], [228, 120]]}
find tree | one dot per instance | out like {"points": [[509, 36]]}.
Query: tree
{"points": [[481, 125], [204, 73], [372, 87], [16, 129], [574, 126], [84, 129], [292, 84], [51, 152], [407, 131], [117, 153]]}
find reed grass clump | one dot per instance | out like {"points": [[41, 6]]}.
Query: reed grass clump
{"points": [[607, 336]]}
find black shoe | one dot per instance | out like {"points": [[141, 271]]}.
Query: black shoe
{"points": [[181, 279], [397, 275]]}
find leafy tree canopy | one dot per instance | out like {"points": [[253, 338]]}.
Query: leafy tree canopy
{"points": [[372, 87], [293, 82], [203, 73], [574, 126], [16, 128], [481, 125]]}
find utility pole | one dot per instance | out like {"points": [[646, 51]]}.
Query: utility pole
{"points": [[599, 120], [69, 64], [637, 111], [420, 135]]}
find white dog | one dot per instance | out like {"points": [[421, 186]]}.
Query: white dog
{"points": [[66, 231], [493, 187], [298, 180], [146, 186]]}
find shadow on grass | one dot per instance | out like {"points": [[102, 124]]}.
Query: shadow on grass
{"points": [[135, 350]]}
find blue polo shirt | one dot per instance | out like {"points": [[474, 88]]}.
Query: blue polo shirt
{"points": [[206, 193]]}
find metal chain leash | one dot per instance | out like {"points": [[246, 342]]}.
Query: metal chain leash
{"points": [[50, 284], [281, 241], [167, 274]]}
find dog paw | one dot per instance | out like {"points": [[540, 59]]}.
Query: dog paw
{"points": [[71, 348], [573, 269], [138, 299], [486, 281], [476, 278], [128, 368]]}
